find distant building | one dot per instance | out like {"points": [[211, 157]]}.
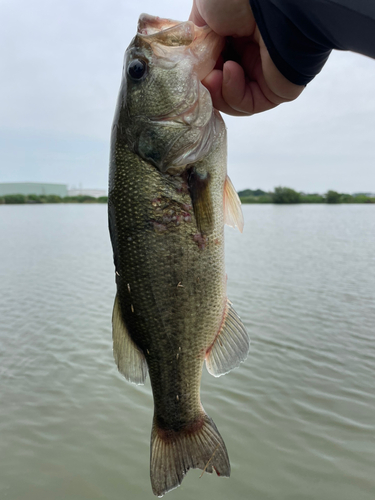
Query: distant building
{"points": [[33, 188], [96, 193]]}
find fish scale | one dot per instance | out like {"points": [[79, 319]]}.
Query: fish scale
{"points": [[167, 230], [163, 311]]}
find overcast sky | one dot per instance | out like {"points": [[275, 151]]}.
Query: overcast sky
{"points": [[60, 67]]}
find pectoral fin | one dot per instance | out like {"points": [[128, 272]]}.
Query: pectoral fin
{"points": [[199, 187], [231, 345], [232, 206], [130, 360]]}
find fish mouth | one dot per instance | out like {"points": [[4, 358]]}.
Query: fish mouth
{"points": [[149, 25], [171, 39]]}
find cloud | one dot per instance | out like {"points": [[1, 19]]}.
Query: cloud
{"points": [[322, 140], [61, 65]]}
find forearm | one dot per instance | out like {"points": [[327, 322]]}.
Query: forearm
{"points": [[300, 34]]}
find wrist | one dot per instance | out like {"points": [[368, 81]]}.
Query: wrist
{"points": [[275, 80]]}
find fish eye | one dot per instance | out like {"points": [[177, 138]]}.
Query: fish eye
{"points": [[136, 69]]}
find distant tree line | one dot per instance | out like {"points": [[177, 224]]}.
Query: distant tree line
{"points": [[280, 195], [12, 199], [285, 195]]}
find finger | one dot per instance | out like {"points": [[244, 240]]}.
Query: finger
{"points": [[219, 63], [213, 82], [196, 17], [241, 94], [226, 18]]}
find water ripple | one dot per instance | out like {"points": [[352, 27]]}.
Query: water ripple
{"points": [[297, 416]]}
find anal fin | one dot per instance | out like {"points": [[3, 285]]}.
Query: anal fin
{"points": [[130, 360], [233, 215], [231, 345]]}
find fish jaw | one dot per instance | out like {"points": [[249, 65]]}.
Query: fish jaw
{"points": [[164, 110], [201, 44], [147, 24]]}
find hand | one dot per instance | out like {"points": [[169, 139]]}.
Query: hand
{"points": [[247, 82]]}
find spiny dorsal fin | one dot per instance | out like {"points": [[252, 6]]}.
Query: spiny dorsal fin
{"points": [[130, 360], [231, 345], [199, 188], [232, 206]]}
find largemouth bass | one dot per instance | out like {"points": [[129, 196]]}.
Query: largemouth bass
{"points": [[169, 196]]}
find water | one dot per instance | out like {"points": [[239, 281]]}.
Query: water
{"points": [[298, 417]]}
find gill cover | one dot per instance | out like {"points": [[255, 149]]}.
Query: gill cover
{"points": [[164, 111]]}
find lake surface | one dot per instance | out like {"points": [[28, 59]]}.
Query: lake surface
{"points": [[298, 417]]}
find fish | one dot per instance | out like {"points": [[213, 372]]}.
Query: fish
{"points": [[169, 197]]}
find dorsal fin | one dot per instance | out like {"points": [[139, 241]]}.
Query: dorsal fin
{"points": [[232, 206]]}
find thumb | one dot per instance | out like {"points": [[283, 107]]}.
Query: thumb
{"points": [[195, 16]]}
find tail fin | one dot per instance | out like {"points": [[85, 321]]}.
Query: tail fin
{"points": [[174, 453]]}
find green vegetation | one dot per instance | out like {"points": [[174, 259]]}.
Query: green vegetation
{"points": [[285, 195], [312, 198], [266, 198], [281, 195], [333, 197], [12, 199], [81, 198], [9, 199], [254, 196], [251, 193]]}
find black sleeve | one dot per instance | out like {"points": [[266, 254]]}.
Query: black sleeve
{"points": [[300, 34]]}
